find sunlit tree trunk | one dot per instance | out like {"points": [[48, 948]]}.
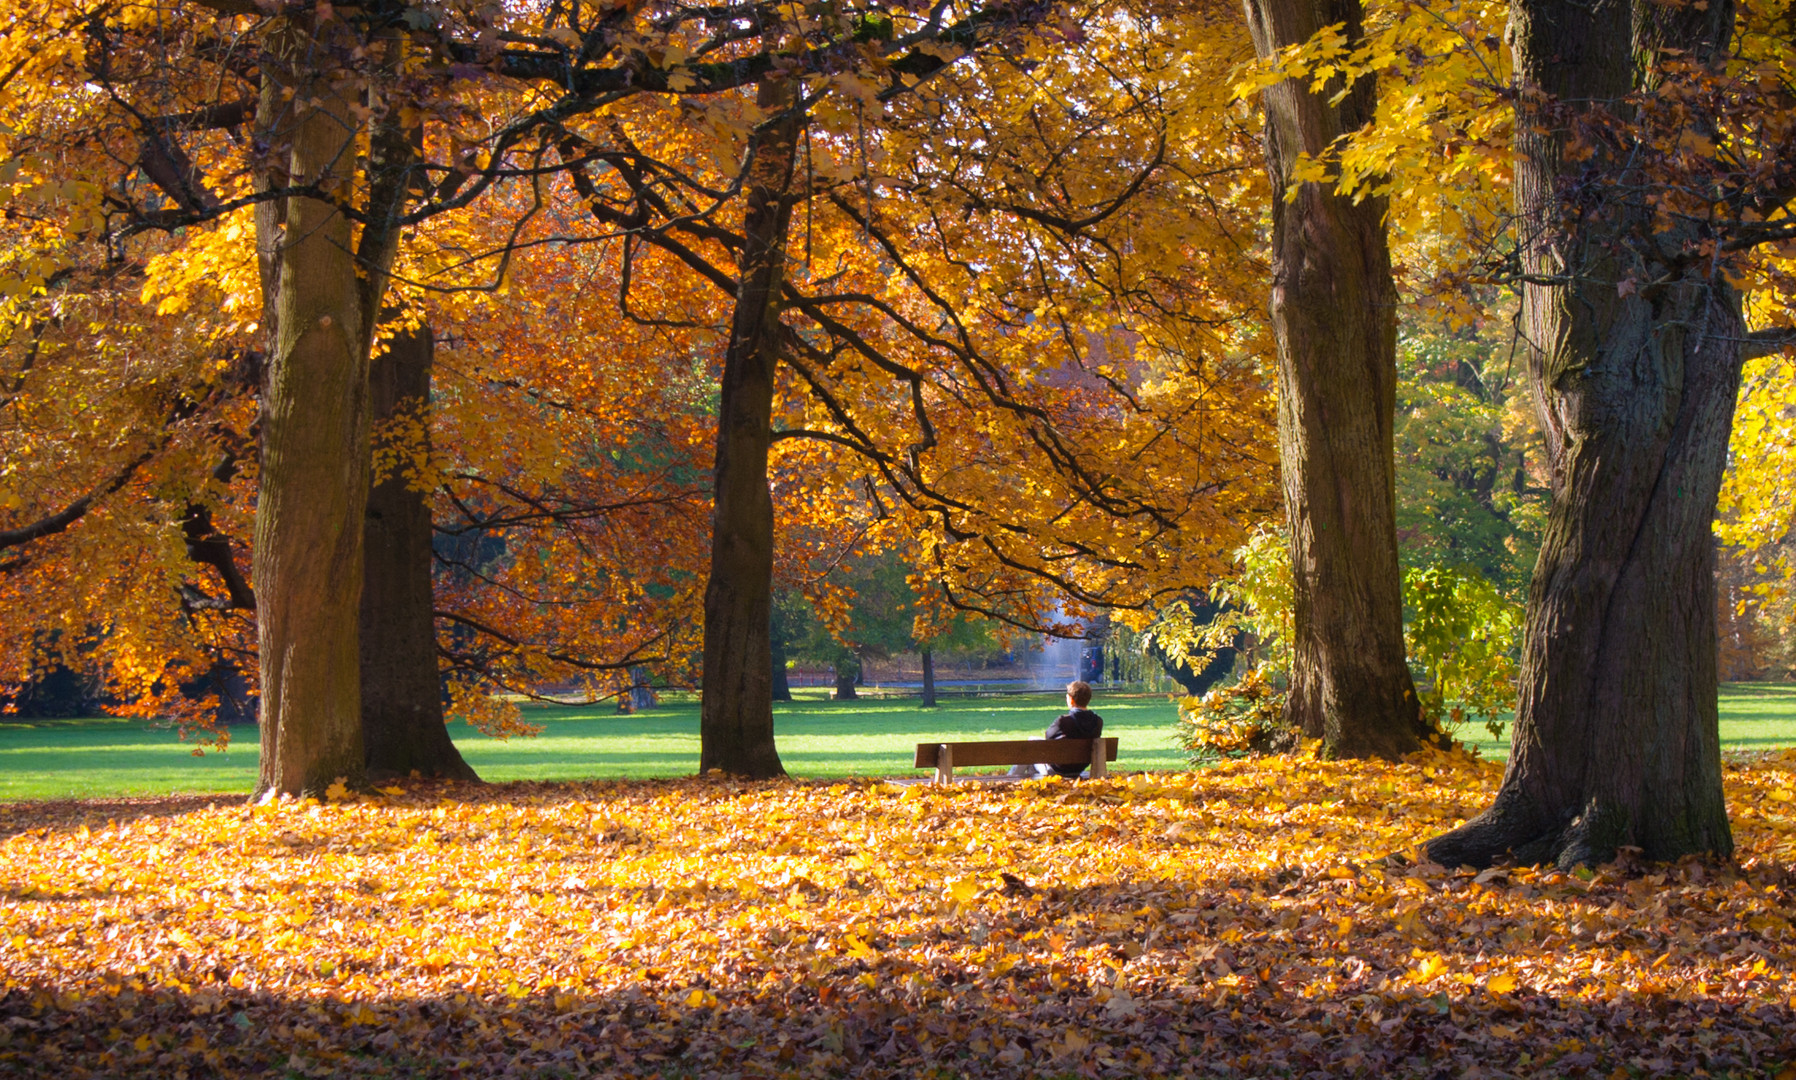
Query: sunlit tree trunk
{"points": [[313, 483], [736, 706], [402, 702], [1334, 316], [1616, 739]]}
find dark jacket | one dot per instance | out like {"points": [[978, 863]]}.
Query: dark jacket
{"points": [[1078, 724]]}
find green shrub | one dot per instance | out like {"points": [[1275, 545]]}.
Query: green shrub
{"points": [[1463, 637], [1243, 714]]}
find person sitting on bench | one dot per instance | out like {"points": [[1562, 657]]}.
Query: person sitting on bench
{"points": [[1078, 722]]}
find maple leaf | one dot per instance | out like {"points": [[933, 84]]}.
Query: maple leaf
{"points": [[962, 890]]}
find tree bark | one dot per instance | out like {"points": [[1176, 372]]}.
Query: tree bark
{"points": [[313, 485], [847, 674], [1334, 317], [782, 683], [1616, 739], [736, 690], [928, 679], [402, 698]]}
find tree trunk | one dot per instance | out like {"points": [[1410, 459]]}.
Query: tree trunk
{"points": [[1616, 738], [847, 674], [402, 699], [1334, 316], [313, 485], [928, 679], [736, 691], [782, 684]]}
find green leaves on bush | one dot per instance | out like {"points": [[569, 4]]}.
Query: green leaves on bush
{"points": [[1462, 631], [1463, 635]]}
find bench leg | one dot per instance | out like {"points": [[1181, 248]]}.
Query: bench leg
{"points": [[944, 764], [1099, 766]]}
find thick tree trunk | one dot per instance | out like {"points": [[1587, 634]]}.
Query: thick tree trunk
{"points": [[928, 679], [736, 701], [640, 694], [314, 469], [1334, 315], [846, 677], [1616, 739], [402, 700]]}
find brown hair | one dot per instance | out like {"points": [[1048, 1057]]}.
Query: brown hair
{"points": [[1079, 692]]}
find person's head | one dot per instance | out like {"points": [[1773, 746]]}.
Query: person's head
{"points": [[1078, 694]]}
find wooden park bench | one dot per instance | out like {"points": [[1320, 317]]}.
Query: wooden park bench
{"points": [[943, 757]]}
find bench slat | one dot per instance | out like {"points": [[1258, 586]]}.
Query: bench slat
{"points": [[1016, 752]]}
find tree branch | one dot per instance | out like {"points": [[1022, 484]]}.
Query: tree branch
{"points": [[52, 524], [209, 547], [1765, 342]]}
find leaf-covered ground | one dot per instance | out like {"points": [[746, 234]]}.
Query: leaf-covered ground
{"points": [[1255, 919]]}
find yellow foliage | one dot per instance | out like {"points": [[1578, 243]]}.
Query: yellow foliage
{"points": [[1440, 148]]}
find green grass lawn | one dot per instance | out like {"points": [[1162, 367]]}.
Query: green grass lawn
{"points": [[1754, 716], [103, 757], [49, 759]]}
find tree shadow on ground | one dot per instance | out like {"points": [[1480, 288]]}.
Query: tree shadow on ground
{"points": [[68, 815], [834, 1026], [1320, 1007]]}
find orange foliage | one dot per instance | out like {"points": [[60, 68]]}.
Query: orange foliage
{"points": [[1255, 917], [1006, 369]]}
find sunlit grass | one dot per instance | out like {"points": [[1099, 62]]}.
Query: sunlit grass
{"points": [[817, 738]]}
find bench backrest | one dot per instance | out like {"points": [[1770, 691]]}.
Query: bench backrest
{"points": [[1014, 752]]}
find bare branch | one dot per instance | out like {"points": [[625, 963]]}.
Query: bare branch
{"points": [[1765, 342]]}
